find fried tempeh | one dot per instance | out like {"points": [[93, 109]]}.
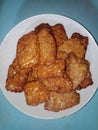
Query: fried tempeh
{"points": [[83, 40], [47, 44], [48, 71], [76, 69], [86, 82], [28, 50], [59, 102], [16, 77], [35, 93], [50, 68], [59, 33], [73, 45], [60, 84]]}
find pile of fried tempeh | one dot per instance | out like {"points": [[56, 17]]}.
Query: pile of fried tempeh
{"points": [[49, 67]]}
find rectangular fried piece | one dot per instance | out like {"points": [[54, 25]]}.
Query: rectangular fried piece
{"points": [[59, 33], [59, 84], [59, 102], [73, 45], [47, 44], [28, 50], [48, 71], [35, 93], [76, 69], [16, 77], [83, 40]]}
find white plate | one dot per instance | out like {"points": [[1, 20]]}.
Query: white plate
{"points": [[8, 51]]}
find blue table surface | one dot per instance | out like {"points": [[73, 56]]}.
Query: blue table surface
{"points": [[14, 11]]}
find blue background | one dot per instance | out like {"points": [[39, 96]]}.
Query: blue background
{"points": [[14, 11]]}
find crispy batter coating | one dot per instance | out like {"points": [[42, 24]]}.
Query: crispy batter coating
{"points": [[83, 40], [32, 76], [28, 50], [76, 69], [35, 93], [47, 44], [49, 67], [62, 55], [48, 71], [16, 77], [59, 102], [86, 82], [59, 33], [73, 45], [59, 84]]}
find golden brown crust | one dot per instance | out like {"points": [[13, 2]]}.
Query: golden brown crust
{"points": [[47, 44], [83, 40], [59, 84], [86, 82], [76, 69], [28, 50], [48, 71], [32, 76], [62, 55], [59, 102], [59, 33], [73, 45], [49, 67], [35, 93], [27, 55], [16, 77]]}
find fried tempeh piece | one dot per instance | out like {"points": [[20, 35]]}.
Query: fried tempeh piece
{"points": [[59, 33], [35, 93], [86, 82], [83, 40], [76, 69], [48, 71], [28, 50], [16, 77], [59, 102], [59, 84], [73, 45], [47, 44]]}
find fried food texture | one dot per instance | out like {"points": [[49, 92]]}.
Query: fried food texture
{"points": [[59, 84], [50, 67], [28, 50], [62, 55], [47, 44], [35, 93], [77, 69], [32, 75], [73, 45], [49, 71], [16, 77], [86, 82], [59, 102], [59, 33], [83, 40]]}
